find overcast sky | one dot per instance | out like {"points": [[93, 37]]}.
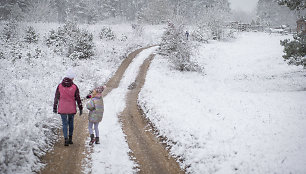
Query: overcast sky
{"points": [[245, 5]]}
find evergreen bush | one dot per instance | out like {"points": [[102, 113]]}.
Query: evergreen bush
{"points": [[199, 35], [123, 38], [137, 29], [295, 50], [107, 33], [31, 36], [83, 47], [9, 31], [71, 41]]}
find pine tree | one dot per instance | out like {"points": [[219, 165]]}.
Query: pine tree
{"points": [[9, 31], [31, 36], [107, 33], [71, 41], [295, 50], [293, 4]]}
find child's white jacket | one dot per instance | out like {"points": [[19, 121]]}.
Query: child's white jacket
{"points": [[96, 109]]}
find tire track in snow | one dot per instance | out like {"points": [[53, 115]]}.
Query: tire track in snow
{"points": [[150, 154]]}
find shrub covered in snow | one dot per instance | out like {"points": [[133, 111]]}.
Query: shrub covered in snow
{"points": [[212, 30], [295, 50], [82, 47], [107, 33], [71, 41], [13, 45], [123, 38], [229, 34], [31, 36], [9, 31], [177, 49], [200, 35], [27, 129], [137, 29]]}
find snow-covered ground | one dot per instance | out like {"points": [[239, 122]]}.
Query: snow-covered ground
{"points": [[247, 113], [29, 76], [111, 156]]}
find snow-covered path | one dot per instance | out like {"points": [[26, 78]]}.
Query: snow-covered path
{"points": [[247, 115], [111, 156]]}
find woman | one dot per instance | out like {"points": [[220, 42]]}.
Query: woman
{"points": [[66, 96]]}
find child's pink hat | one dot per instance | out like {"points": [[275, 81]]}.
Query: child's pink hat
{"points": [[100, 89]]}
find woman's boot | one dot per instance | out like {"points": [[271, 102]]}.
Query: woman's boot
{"points": [[70, 140], [66, 142]]}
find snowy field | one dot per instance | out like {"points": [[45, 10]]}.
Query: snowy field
{"points": [[247, 113], [30, 74]]}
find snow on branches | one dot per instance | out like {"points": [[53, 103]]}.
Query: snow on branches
{"points": [[71, 41]]}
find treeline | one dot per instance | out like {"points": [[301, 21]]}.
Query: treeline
{"points": [[91, 11], [271, 13]]}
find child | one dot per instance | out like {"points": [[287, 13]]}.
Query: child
{"points": [[96, 109]]}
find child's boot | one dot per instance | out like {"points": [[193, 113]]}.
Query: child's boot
{"points": [[97, 140], [66, 142], [92, 139], [70, 140]]}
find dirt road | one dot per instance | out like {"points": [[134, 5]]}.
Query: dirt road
{"points": [[150, 154]]}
